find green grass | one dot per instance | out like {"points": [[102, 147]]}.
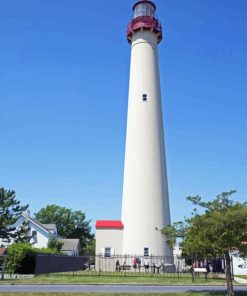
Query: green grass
{"points": [[117, 294], [87, 279]]}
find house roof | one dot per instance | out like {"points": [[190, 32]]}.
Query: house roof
{"points": [[106, 224], [71, 245], [45, 227], [50, 226]]}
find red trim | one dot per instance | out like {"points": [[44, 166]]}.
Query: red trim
{"points": [[144, 23], [109, 224], [144, 1]]}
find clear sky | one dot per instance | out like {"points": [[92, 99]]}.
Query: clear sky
{"points": [[64, 69]]}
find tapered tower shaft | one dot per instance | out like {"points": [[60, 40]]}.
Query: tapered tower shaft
{"points": [[145, 205]]}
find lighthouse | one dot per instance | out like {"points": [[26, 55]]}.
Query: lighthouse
{"points": [[145, 201]]}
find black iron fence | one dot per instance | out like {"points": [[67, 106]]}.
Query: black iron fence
{"points": [[135, 266], [155, 265]]}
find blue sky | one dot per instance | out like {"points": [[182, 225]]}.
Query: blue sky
{"points": [[64, 69]]}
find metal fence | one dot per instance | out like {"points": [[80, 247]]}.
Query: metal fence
{"points": [[140, 266], [128, 266]]}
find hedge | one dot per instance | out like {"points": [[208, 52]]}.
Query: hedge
{"points": [[21, 258]]}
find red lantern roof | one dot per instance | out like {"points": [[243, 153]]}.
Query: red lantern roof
{"points": [[116, 224]]}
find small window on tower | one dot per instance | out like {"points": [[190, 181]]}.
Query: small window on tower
{"points": [[144, 97], [146, 252]]}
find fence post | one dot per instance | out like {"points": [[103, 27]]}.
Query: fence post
{"points": [[99, 258], [125, 264], [232, 271], [193, 270]]}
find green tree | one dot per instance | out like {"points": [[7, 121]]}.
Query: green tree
{"points": [[21, 233], [90, 248], [55, 244], [10, 212], [70, 224], [220, 229]]}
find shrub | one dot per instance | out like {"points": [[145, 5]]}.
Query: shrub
{"points": [[21, 258]]}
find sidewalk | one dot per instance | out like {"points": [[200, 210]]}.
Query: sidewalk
{"points": [[240, 280], [16, 276]]}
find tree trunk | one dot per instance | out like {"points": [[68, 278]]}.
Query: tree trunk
{"points": [[193, 269], [230, 291]]}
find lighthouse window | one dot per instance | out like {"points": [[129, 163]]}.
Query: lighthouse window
{"points": [[144, 9], [146, 252], [144, 97]]}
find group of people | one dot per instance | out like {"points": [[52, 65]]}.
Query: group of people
{"points": [[136, 263]]}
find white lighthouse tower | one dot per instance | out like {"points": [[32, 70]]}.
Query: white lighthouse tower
{"points": [[145, 205]]}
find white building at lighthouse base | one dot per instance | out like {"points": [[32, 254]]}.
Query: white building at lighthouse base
{"points": [[110, 257]]}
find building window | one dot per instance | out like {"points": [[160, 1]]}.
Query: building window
{"points": [[34, 235], [144, 97], [146, 252], [107, 252]]}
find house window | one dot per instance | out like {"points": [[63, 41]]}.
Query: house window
{"points": [[144, 97], [107, 252], [146, 252], [34, 235]]}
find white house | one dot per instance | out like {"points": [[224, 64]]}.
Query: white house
{"points": [[41, 233], [109, 238]]}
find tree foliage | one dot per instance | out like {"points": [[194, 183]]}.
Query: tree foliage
{"points": [[10, 212], [55, 244], [220, 229], [70, 224], [90, 248]]}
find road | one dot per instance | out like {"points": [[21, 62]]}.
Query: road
{"points": [[112, 288]]}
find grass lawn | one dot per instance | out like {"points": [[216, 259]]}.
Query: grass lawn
{"points": [[117, 294], [87, 279]]}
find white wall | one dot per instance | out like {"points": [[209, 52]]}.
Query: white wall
{"points": [[42, 236], [239, 264], [109, 238]]}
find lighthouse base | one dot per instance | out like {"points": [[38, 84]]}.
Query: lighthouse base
{"points": [[110, 256]]}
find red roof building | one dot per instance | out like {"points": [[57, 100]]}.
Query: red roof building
{"points": [[109, 224]]}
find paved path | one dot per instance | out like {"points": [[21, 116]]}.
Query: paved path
{"points": [[240, 280], [112, 289]]}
